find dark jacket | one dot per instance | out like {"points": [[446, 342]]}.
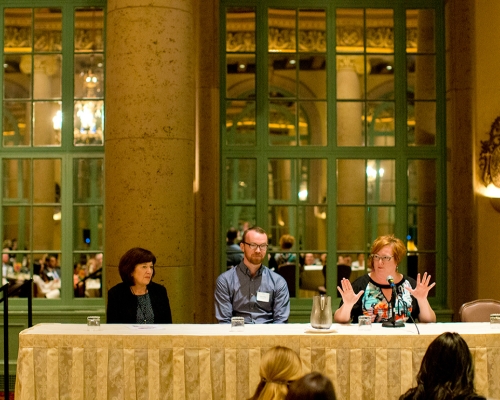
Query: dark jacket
{"points": [[122, 304]]}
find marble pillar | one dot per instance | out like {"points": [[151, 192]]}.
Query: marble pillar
{"points": [[150, 142]]}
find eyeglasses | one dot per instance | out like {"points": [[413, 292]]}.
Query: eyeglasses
{"points": [[253, 246], [376, 257]]}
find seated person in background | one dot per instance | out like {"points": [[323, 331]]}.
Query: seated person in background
{"points": [[446, 372], [359, 264], [370, 294], [286, 243], [52, 270], [234, 254], [45, 286], [313, 386], [309, 259], [138, 300], [279, 367], [251, 290]]}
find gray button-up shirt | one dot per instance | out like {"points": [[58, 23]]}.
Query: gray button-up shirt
{"points": [[237, 295]]}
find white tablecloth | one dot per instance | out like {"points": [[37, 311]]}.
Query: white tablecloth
{"points": [[211, 362]]}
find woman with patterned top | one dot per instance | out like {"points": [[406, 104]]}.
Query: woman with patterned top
{"points": [[371, 294], [138, 300]]}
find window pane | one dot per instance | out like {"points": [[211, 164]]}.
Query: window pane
{"points": [[422, 227], [87, 275], [381, 220], [312, 76], [351, 181], [48, 29], [46, 230], [88, 120], [89, 29], [87, 232], [380, 30], [47, 124], [422, 181], [350, 30], [350, 125], [16, 123], [420, 30], [282, 27], [312, 30], [17, 77], [47, 77], [422, 123], [283, 75], [312, 181], [282, 123], [16, 222], [311, 228], [281, 220], [350, 228], [240, 218], [282, 175], [241, 179], [381, 181], [240, 122], [88, 180], [16, 185], [380, 123], [89, 75], [240, 29], [380, 79], [350, 71], [312, 123], [47, 181], [17, 30]]}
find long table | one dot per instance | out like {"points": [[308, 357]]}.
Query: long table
{"points": [[66, 361]]}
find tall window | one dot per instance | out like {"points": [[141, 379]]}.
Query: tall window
{"points": [[52, 148], [333, 133]]}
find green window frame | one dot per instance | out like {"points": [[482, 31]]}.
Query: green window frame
{"points": [[377, 165], [52, 148]]}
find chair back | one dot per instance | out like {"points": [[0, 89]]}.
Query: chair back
{"points": [[479, 310], [287, 271]]}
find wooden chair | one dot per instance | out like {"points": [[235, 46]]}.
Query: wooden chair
{"points": [[479, 310]]}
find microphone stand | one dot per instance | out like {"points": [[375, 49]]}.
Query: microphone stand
{"points": [[392, 323]]}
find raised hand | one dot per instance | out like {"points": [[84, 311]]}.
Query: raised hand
{"points": [[348, 296], [422, 289]]}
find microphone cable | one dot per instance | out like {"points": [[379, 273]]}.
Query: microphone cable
{"points": [[405, 308]]}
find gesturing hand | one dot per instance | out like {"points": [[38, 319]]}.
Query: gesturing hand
{"points": [[422, 289], [348, 296]]}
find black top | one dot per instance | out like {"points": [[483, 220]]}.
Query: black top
{"points": [[122, 304]]}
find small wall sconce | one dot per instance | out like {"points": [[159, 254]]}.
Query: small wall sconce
{"points": [[489, 161]]}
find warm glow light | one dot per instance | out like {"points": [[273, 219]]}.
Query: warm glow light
{"points": [[57, 120]]}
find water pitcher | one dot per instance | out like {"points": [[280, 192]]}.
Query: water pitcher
{"points": [[321, 314]]}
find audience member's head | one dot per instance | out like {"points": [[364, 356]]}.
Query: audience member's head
{"points": [[313, 386], [446, 372], [279, 367], [231, 235], [287, 242]]}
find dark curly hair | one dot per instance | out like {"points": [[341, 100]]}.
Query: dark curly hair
{"points": [[131, 259], [446, 372]]}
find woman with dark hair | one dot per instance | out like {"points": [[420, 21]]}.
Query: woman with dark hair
{"points": [[313, 386], [446, 372], [138, 300]]}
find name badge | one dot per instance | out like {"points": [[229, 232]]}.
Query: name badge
{"points": [[262, 296]]}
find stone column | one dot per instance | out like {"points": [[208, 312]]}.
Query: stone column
{"points": [[149, 142]]}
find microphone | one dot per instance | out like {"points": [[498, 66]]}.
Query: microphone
{"points": [[392, 323]]}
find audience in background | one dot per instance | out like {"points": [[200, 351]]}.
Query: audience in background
{"points": [[446, 372], [279, 367], [313, 386]]}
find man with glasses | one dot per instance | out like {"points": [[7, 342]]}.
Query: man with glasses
{"points": [[250, 289]]}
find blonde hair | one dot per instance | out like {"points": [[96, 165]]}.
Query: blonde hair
{"points": [[279, 367], [397, 245], [287, 241]]}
